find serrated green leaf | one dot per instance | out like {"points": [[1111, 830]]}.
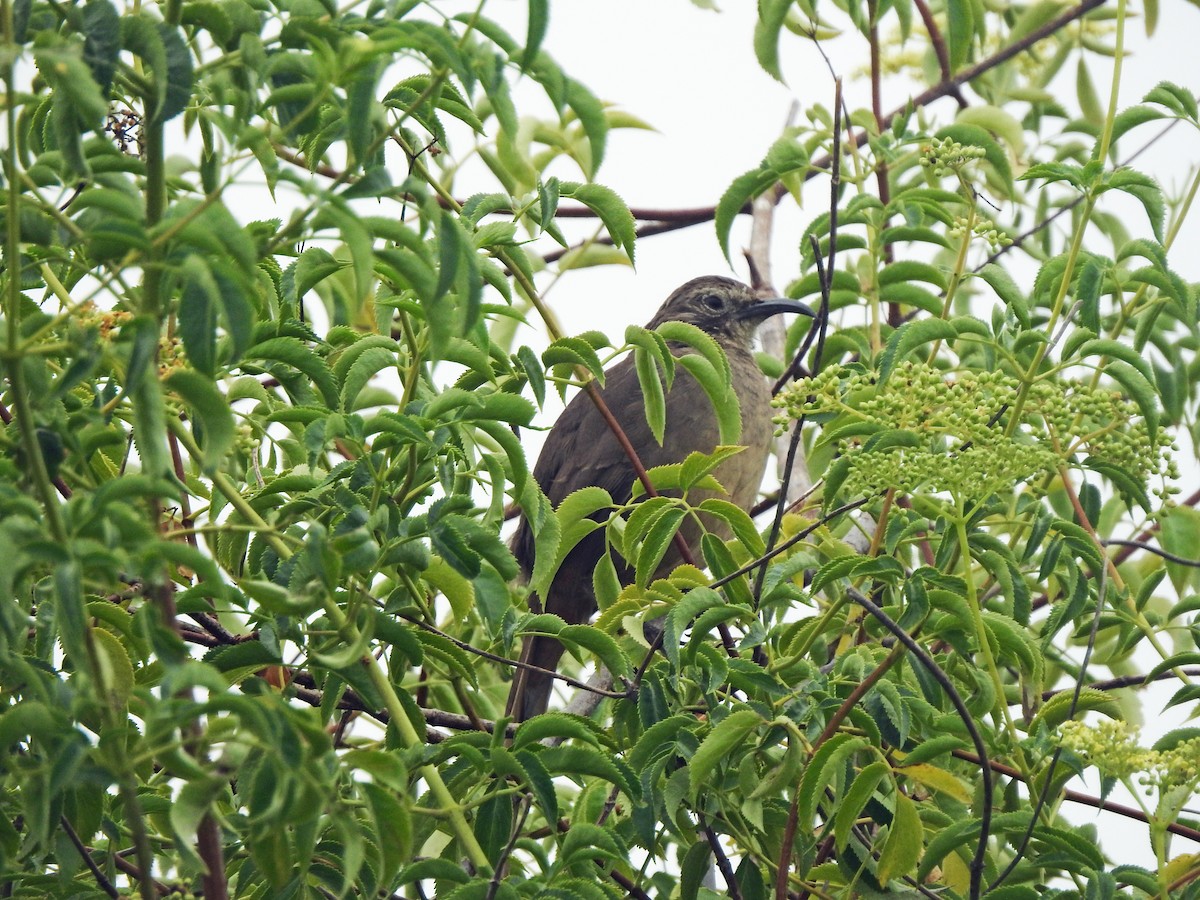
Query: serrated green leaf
{"points": [[656, 543], [905, 840], [719, 393], [293, 352], [1140, 388], [741, 191], [719, 743], [771, 16], [209, 410], [857, 795], [599, 643], [821, 771], [908, 337], [1059, 707], [654, 402], [611, 209]]}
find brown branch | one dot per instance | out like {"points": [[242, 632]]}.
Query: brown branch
{"points": [[1121, 809], [938, 42], [723, 865], [1125, 681], [86, 854], [947, 87], [515, 663]]}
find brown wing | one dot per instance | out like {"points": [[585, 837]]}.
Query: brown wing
{"points": [[581, 451]]}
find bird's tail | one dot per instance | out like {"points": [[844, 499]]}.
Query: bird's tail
{"points": [[529, 694]]}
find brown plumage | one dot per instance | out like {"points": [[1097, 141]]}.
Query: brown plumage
{"points": [[582, 451]]}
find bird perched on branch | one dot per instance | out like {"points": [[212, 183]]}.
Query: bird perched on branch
{"points": [[582, 450]]}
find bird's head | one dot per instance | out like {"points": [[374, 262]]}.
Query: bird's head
{"points": [[722, 307]]}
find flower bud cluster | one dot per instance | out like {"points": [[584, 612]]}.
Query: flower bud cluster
{"points": [[1112, 747], [946, 156], [955, 435], [104, 320], [984, 229], [246, 439]]}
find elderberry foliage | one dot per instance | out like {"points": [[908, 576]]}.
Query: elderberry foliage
{"points": [[276, 326]]}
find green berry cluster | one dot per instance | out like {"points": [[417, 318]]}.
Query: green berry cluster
{"points": [[1112, 747], [1082, 421], [984, 229], [946, 156], [951, 432]]}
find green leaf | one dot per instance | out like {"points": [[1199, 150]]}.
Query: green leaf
{"points": [[694, 602], [599, 643], [102, 42], [688, 334], [360, 104], [77, 104], [576, 761], [393, 828], [999, 122], [1089, 102], [1058, 708], [1174, 97], [312, 267], [150, 426], [1006, 289], [960, 32], [822, 769], [591, 115], [199, 305], [1140, 388], [694, 870], [719, 393], [911, 270], [539, 20], [188, 810], [574, 351], [366, 366], [611, 209], [163, 51], [1128, 119], [586, 844], [857, 795], [657, 541], [293, 352], [1115, 349], [739, 523], [743, 189], [575, 523], [719, 743], [1145, 189], [554, 725], [904, 843], [1180, 529], [771, 16], [908, 337], [209, 410], [493, 821], [654, 401]]}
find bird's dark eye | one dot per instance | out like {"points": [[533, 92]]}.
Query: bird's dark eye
{"points": [[714, 302]]}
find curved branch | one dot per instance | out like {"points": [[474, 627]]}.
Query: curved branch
{"points": [[935, 671]]}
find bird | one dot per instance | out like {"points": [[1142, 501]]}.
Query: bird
{"points": [[581, 451]]}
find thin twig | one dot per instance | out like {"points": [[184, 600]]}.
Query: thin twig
{"points": [[723, 865], [935, 671]]}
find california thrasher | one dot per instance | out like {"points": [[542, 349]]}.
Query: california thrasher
{"points": [[581, 450]]}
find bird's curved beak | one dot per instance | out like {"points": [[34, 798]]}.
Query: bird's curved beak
{"points": [[764, 309]]}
